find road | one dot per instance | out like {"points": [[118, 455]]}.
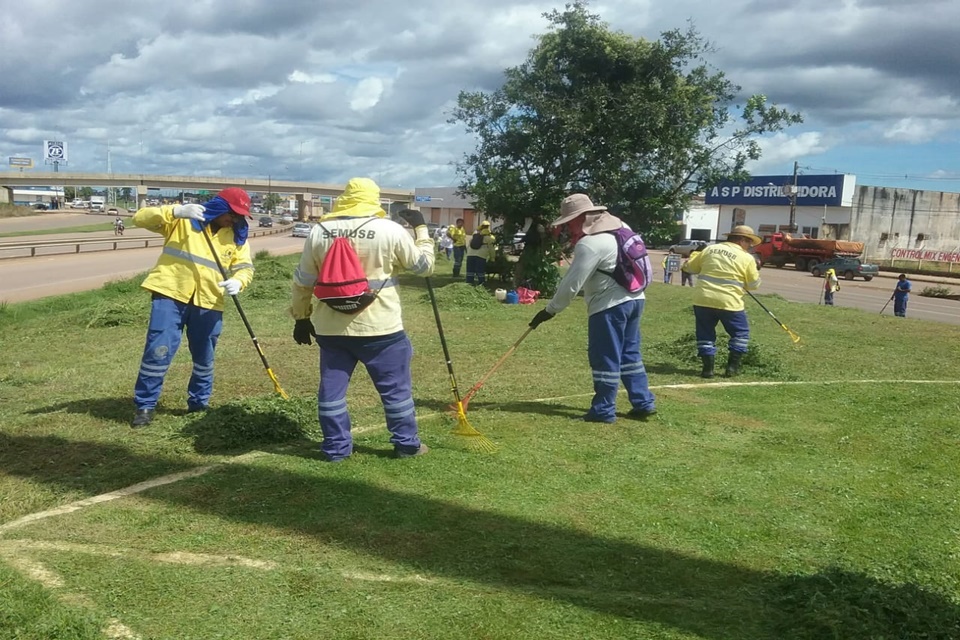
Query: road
{"points": [[44, 221], [32, 278]]}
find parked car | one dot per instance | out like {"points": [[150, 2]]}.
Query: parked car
{"points": [[286, 219], [849, 268], [266, 221], [41, 206], [686, 247], [301, 230]]}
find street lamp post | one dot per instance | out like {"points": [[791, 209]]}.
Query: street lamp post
{"points": [[793, 200]]}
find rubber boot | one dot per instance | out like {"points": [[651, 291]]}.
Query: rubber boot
{"points": [[733, 364], [708, 362]]}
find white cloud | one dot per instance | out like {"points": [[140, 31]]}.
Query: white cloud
{"points": [[782, 148], [311, 78], [915, 130], [366, 94]]}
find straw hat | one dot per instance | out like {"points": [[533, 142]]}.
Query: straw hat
{"points": [[746, 232], [575, 205]]}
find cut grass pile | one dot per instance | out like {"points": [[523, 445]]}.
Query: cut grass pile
{"points": [[826, 507]]}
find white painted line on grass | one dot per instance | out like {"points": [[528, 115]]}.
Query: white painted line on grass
{"points": [[19, 546], [122, 493], [757, 383]]}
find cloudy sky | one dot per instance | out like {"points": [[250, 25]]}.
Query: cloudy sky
{"points": [[324, 90]]}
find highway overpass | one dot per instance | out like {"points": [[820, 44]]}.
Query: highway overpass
{"points": [[304, 191]]}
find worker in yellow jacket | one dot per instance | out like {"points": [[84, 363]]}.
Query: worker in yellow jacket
{"points": [[371, 334], [725, 271], [459, 236], [188, 291], [481, 248]]}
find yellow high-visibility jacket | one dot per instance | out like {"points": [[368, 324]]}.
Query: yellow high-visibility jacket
{"points": [[458, 235], [488, 250], [725, 271], [186, 270]]}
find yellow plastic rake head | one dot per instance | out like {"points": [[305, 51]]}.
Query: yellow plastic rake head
{"points": [[472, 438]]}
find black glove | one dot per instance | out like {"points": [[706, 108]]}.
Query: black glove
{"points": [[541, 317], [412, 217], [302, 330]]}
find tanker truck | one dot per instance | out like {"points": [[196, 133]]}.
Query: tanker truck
{"points": [[779, 249]]}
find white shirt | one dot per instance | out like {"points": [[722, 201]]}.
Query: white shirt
{"points": [[592, 254]]}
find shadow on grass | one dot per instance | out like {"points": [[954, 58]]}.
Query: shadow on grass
{"points": [[668, 368], [693, 594], [90, 467], [111, 409]]}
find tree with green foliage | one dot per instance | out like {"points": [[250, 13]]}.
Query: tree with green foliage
{"points": [[271, 202], [641, 126]]}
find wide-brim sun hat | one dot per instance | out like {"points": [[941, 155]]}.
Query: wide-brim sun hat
{"points": [[745, 232], [576, 205]]}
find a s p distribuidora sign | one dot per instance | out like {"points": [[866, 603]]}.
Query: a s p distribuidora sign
{"points": [[812, 191]]}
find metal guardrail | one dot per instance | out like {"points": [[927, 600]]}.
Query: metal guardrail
{"points": [[29, 249]]}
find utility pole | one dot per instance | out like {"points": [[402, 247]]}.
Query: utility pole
{"points": [[793, 200]]}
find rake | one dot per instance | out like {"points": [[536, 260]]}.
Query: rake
{"points": [[473, 438], [483, 380], [793, 336], [885, 305], [243, 316]]}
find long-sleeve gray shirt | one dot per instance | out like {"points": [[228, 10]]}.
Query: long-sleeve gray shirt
{"points": [[592, 254]]}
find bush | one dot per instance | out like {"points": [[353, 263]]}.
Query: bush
{"points": [[937, 291]]}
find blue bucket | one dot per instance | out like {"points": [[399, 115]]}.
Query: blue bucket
{"points": [[512, 298]]}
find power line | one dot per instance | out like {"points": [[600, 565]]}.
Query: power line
{"points": [[884, 175]]}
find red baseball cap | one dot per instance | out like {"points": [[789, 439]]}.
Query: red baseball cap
{"points": [[238, 199]]}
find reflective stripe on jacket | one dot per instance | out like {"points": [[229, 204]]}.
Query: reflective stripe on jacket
{"points": [[186, 270], [725, 271]]}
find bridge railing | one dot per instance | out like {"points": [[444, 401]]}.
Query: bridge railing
{"points": [[35, 248]]}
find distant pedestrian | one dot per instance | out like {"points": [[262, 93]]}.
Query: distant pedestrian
{"points": [[671, 263], [446, 244], [685, 277], [830, 285], [459, 237], [900, 296]]}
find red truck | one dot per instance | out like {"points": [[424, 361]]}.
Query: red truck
{"points": [[805, 253]]}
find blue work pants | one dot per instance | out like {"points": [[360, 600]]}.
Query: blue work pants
{"points": [[387, 359], [476, 269], [900, 305], [168, 318], [613, 348], [734, 323], [458, 253]]}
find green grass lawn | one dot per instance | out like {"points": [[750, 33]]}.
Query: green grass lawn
{"points": [[825, 506], [84, 228]]}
